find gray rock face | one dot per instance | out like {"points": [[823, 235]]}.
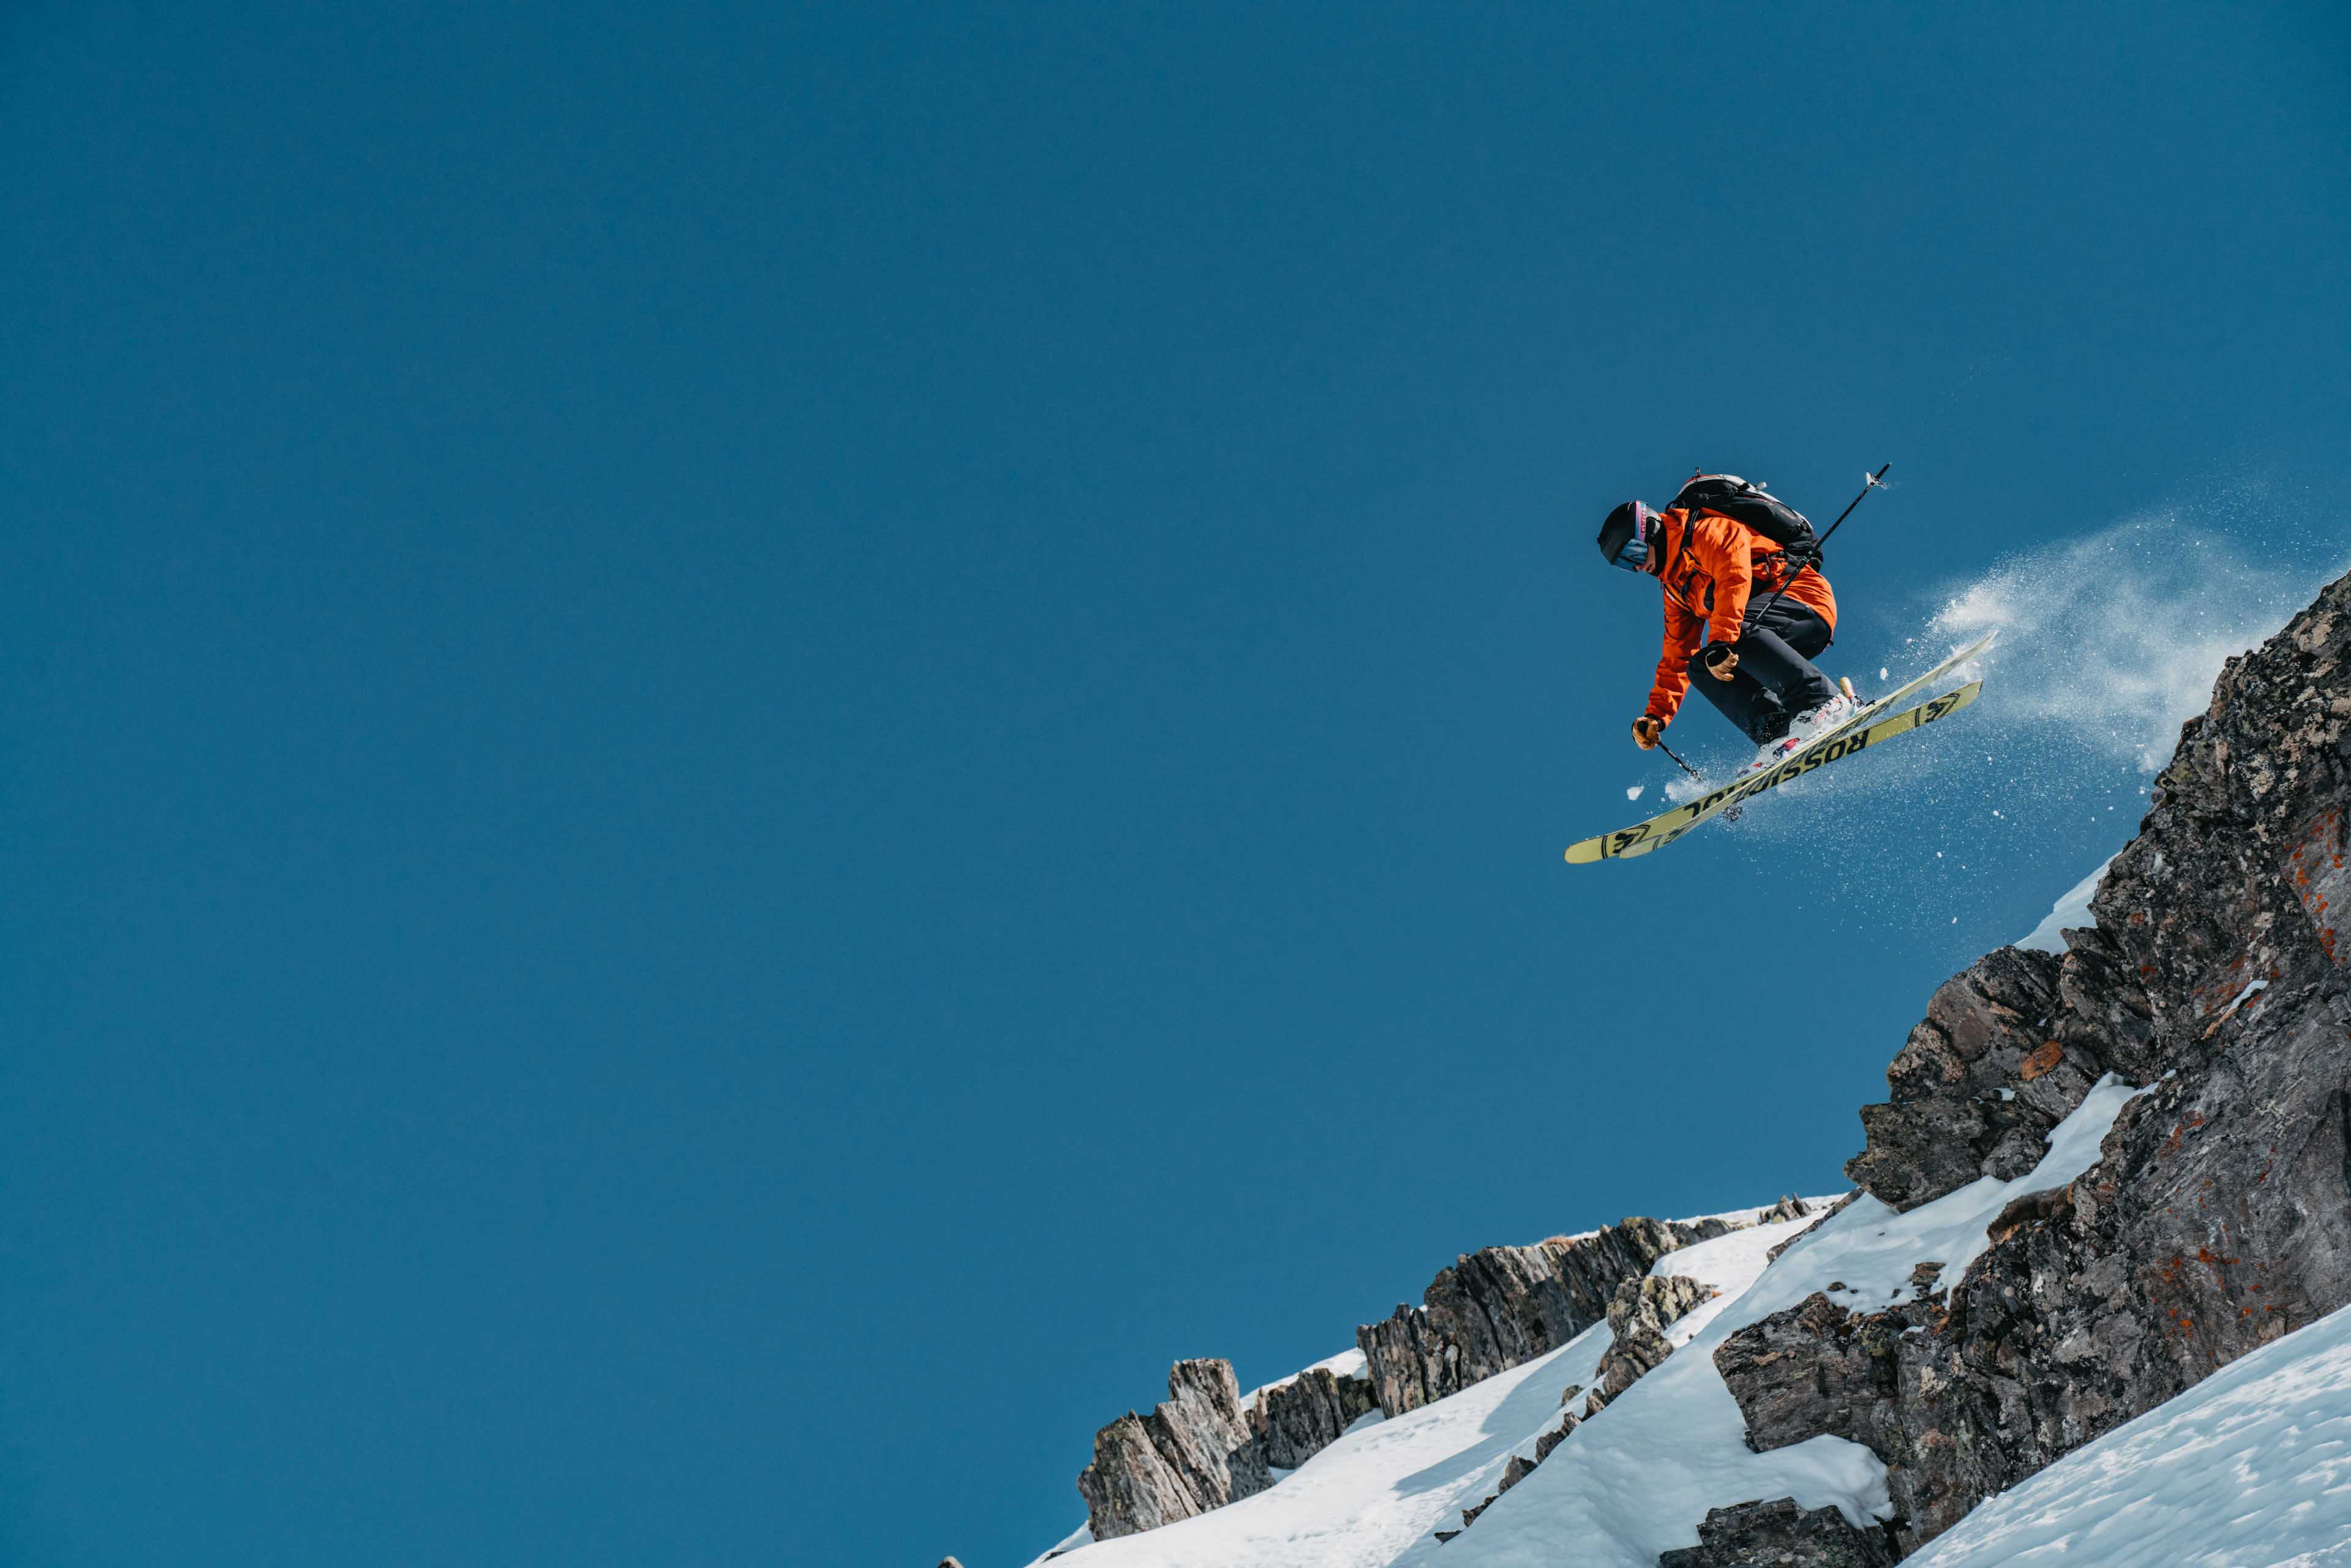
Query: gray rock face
{"points": [[1819, 1367], [1192, 1453], [1979, 1085], [1781, 1535], [1295, 1420], [1553, 1436], [1202, 1450], [2219, 1214], [1638, 1316], [1503, 1306]]}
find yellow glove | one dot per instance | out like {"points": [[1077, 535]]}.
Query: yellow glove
{"points": [[1645, 731]]}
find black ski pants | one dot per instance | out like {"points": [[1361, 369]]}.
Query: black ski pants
{"points": [[1776, 678]]}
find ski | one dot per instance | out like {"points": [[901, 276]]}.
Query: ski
{"points": [[1660, 830], [1863, 729]]}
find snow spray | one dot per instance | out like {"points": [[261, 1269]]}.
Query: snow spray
{"points": [[2109, 641]]}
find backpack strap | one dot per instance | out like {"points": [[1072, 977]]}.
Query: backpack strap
{"points": [[1681, 553]]}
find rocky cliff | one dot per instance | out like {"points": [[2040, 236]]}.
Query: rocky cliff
{"points": [[1639, 1313], [1204, 1449], [2219, 1214], [1503, 1306], [1493, 1310], [1191, 1453]]}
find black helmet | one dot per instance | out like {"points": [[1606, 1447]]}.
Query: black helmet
{"points": [[1626, 536]]}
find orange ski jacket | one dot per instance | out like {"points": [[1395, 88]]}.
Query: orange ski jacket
{"points": [[1712, 565]]}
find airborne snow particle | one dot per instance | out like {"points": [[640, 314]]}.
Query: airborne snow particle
{"points": [[1634, 792], [1883, 673]]}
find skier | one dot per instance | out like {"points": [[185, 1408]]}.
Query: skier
{"points": [[1717, 570]]}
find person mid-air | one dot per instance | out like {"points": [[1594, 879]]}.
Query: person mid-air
{"points": [[1742, 569]]}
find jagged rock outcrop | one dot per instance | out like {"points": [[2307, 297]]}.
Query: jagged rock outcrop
{"points": [[1820, 1216], [1819, 1367], [1982, 1079], [1203, 1448], [1519, 1468], [1503, 1306], [1781, 1535], [1295, 1420], [1638, 1316], [1491, 1310], [2218, 1215], [1195, 1452]]}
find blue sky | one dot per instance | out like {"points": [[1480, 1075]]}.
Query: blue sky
{"points": [[751, 748]]}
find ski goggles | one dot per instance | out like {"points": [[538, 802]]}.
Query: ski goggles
{"points": [[1625, 537]]}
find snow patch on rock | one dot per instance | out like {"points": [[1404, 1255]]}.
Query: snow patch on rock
{"points": [[2070, 913]]}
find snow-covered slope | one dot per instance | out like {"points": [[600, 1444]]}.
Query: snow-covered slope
{"points": [[1381, 1489], [1637, 1480], [1637, 1477], [2251, 1468], [1369, 1496]]}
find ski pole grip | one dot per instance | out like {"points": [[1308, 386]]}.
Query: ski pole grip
{"points": [[1715, 653]]}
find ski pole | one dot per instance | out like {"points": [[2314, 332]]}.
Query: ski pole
{"points": [[1685, 766], [1869, 483]]}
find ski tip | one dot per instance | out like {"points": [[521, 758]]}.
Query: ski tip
{"points": [[1963, 651]]}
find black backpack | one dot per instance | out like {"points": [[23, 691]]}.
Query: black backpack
{"points": [[1758, 508]]}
